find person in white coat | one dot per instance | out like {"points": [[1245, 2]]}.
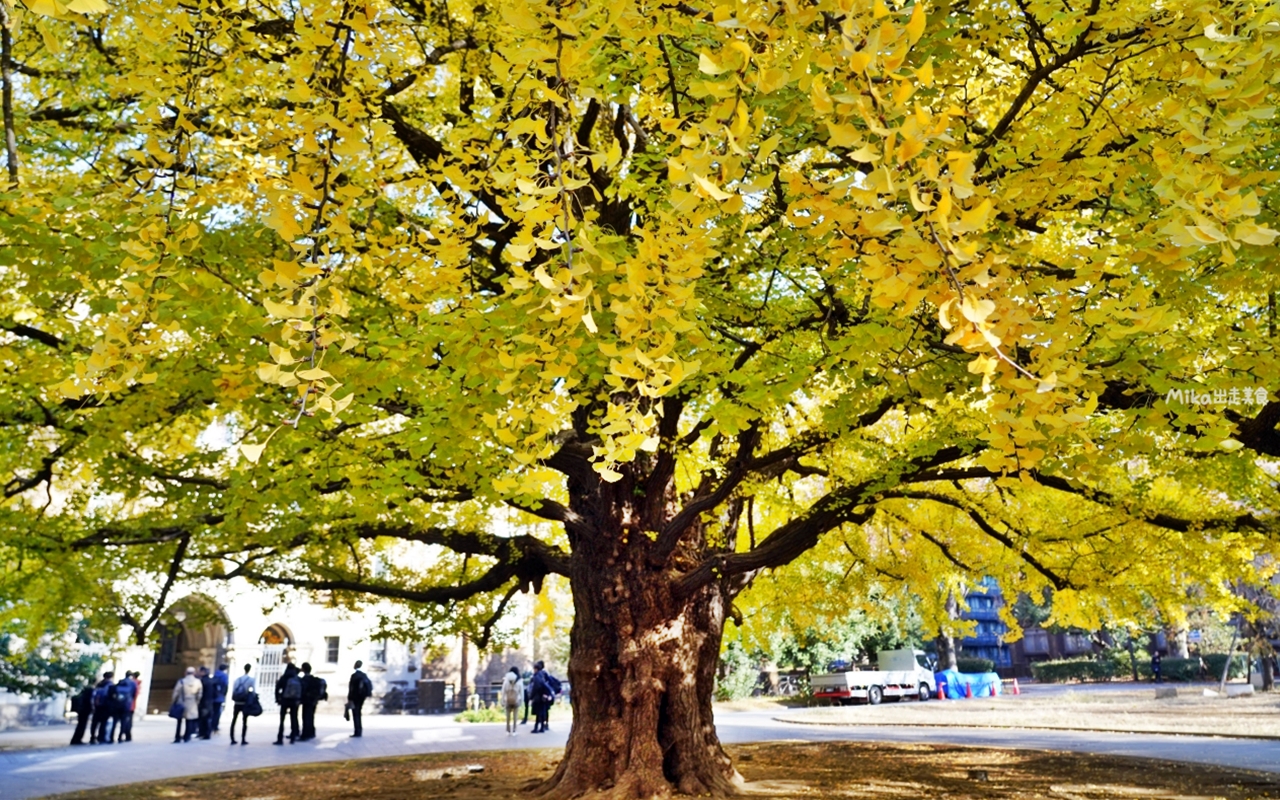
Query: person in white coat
{"points": [[512, 695], [188, 692]]}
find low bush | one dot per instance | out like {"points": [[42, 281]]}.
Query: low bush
{"points": [[970, 665], [494, 714], [1215, 661], [1072, 669]]}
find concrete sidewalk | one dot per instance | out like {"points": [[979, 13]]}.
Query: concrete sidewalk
{"points": [[53, 766]]}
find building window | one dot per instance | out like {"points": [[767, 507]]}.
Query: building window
{"points": [[1037, 641], [331, 649], [378, 653]]}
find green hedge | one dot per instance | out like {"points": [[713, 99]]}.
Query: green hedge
{"points": [[973, 666], [1072, 669], [1215, 662]]}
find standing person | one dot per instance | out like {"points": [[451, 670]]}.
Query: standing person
{"points": [[220, 682], [1155, 667], [512, 692], [241, 693], [188, 692], [206, 702], [288, 695], [121, 700], [540, 691], [313, 691], [527, 679], [101, 710], [133, 707], [359, 689], [82, 707]]}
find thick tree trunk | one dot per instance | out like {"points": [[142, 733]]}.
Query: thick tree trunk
{"points": [[642, 670], [1176, 643]]}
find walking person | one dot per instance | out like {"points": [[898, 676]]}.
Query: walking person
{"points": [[206, 702], [82, 707], [313, 691], [101, 710], [512, 693], [1155, 667], [288, 695], [187, 692], [359, 689], [241, 694], [220, 681]]}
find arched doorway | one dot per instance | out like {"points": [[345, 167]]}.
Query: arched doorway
{"points": [[277, 646], [193, 632]]}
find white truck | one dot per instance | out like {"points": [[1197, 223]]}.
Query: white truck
{"points": [[902, 673]]}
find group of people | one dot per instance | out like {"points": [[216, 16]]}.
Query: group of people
{"points": [[299, 690], [197, 701], [539, 692], [106, 709]]}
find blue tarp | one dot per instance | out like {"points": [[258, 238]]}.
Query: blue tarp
{"points": [[952, 683]]}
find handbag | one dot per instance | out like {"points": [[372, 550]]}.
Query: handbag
{"points": [[253, 708], [346, 711], [177, 710]]}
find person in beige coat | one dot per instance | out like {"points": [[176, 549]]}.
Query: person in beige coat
{"points": [[187, 691]]}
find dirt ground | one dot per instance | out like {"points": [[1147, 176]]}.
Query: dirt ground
{"points": [[1134, 710], [773, 770]]}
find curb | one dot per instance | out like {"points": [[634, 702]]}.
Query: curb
{"points": [[1201, 734]]}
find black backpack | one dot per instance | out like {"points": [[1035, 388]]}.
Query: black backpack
{"points": [[121, 697], [292, 689]]}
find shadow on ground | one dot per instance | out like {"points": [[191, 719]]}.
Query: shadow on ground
{"points": [[773, 770]]}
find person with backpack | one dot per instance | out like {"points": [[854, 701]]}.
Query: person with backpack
{"points": [[242, 693], [98, 733], [359, 689], [119, 705], [313, 691], [512, 693], [82, 707], [220, 680], [288, 696], [187, 692]]}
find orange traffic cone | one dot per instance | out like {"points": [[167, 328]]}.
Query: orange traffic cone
{"points": [[1016, 690], [968, 690], [941, 694]]}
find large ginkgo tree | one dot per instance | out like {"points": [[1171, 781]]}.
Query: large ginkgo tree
{"points": [[428, 301]]}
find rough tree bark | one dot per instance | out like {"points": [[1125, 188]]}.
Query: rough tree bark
{"points": [[643, 658]]}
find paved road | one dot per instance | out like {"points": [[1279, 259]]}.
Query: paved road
{"points": [[53, 767]]}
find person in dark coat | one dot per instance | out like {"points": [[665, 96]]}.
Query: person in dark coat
{"points": [[1155, 667], [98, 733], [542, 688], [206, 703], [527, 678], [118, 705], [359, 689], [221, 681], [82, 706], [313, 691], [288, 696]]}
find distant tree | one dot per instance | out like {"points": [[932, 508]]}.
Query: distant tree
{"points": [[45, 668]]}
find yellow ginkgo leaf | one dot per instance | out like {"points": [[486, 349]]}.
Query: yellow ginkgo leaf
{"points": [[48, 8], [88, 6], [711, 189], [705, 64]]}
